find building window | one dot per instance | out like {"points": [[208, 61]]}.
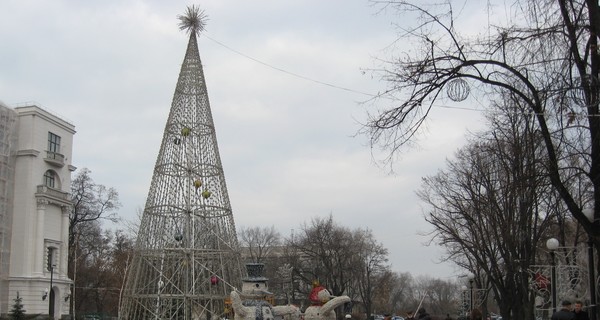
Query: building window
{"points": [[53, 142], [49, 178], [51, 258]]}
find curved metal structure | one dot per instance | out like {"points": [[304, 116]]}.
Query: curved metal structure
{"points": [[571, 281], [187, 258]]}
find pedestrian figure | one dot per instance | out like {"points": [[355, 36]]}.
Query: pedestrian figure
{"points": [[423, 315], [476, 314], [579, 313], [565, 312]]}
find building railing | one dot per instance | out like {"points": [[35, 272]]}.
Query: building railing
{"points": [[51, 192], [55, 158]]}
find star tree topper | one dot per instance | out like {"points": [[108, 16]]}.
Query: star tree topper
{"points": [[193, 21]]}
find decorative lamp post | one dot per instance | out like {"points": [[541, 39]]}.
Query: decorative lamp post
{"points": [[589, 214], [552, 245], [465, 305], [471, 278], [51, 300]]}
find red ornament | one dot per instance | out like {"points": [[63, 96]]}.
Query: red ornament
{"points": [[314, 296], [214, 280], [541, 281]]}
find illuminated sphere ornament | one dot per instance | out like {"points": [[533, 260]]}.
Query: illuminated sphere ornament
{"points": [[586, 91], [214, 280], [457, 89], [185, 131], [552, 244], [206, 194], [178, 237]]}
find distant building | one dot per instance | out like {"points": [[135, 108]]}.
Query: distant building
{"points": [[35, 179]]}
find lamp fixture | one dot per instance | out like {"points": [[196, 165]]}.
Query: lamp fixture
{"points": [[589, 214], [552, 244], [45, 294]]}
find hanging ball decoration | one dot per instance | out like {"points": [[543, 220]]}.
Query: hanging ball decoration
{"points": [[457, 89], [197, 184], [185, 131], [586, 91], [214, 280], [206, 194], [176, 141], [178, 237]]}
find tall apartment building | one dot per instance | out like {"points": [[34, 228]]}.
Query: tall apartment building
{"points": [[35, 178]]}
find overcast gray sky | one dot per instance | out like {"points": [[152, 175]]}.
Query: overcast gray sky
{"points": [[288, 145]]}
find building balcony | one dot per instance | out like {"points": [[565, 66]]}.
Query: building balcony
{"points": [[53, 195], [54, 158]]}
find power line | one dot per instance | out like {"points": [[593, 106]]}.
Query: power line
{"points": [[285, 71], [348, 89]]}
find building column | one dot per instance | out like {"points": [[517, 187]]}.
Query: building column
{"points": [[39, 249], [64, 250]]}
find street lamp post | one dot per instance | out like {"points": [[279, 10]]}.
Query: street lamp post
{"points": [[552, 245], [464, 304], [471, 278], [51, 300], [589, 214]]}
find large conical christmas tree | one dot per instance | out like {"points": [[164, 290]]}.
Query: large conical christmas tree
{"points": [[186, 260]]}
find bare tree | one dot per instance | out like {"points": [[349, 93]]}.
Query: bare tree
{"points": [[346, 261], [260, 241], [385, 286], [322, 251], [545, 54], [403, 299], [401, 293], [91, 202], [93, 265], [441, 296], [101, 259], [370, 262], [497, 183]]}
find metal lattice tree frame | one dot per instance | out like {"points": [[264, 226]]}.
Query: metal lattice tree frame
{"points": [[572, 279], [186, 260], [480, 298]]}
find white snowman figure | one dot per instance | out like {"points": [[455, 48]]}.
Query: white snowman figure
{"points": [[324, 304], [260, 309], [255, 291]]}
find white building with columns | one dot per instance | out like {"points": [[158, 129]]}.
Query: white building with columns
{"points": [[35, 179]]}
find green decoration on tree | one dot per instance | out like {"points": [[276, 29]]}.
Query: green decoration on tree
{"points": [[197, 184]]}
